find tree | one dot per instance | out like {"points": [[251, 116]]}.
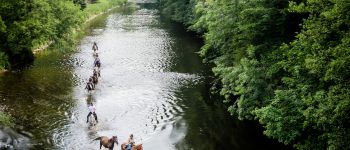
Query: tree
{"points": [[293, 79], [82, 3], [312, 108], [28, 24]]}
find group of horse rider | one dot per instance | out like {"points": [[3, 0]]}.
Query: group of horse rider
{"points": [[93, 80], [90, 85], [96, 72]]}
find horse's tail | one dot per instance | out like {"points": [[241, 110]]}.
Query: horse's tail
{"points": [[139, 147], [99, 138]]}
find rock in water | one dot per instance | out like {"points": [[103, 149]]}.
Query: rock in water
{"points": [[10, 139]]}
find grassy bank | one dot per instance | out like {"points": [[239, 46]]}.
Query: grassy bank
{"points": [[103, 6]]}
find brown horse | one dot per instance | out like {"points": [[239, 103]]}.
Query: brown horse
{"points": [[134, 147], [107, 143], [96, 72], [94, 79]]}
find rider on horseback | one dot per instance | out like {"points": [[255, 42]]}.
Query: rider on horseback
{"points": [[130, 142], [90, 86], [92, 110], [94, 47], [97, 62]]}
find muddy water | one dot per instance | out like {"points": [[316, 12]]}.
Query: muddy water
{"points": [[152, 84]]}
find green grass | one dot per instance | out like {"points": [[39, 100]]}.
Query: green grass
{"points": [[6, 120], [102, 6]]}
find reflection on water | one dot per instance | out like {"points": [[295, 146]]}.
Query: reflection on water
{"points": [[40, 98], [152, 84]]}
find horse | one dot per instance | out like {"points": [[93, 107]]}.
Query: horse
{"points": [[94, 46], [134, 147], [92, 120], [107, 143], [90, 86], [96, 72], [95, 54], [94, 79]]}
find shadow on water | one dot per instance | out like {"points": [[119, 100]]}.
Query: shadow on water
{"points": [[209, 126], [187, 53]]}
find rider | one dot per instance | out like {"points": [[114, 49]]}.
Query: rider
{"points": [[94, 47], [92, 110], [130, 142], [97, 62], [89, 84]]}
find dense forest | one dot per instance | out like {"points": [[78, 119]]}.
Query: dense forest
{"points": [[26, 25], [284, 63]]}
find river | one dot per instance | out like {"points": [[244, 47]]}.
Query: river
{"points": [[152, 84]]}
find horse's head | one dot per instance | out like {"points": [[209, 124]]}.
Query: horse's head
{"points": [[115, 139]]}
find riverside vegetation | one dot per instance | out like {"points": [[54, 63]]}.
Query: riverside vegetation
{"points": [[284, 63], [5, 120], [26, 25]]}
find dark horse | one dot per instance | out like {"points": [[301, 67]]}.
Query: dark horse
{"points": [[94, 79], [107, 143]]}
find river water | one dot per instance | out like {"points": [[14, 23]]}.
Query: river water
{"points": [[152, 84]]}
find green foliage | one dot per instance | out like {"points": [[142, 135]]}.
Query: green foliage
{"points": [[179, 10], [102, 5], [6, 120], [293, 79], [30, 24], [240, 39], [82, 3], [64, 12], [3, 56], [3, 60], [317, 79], [2, 26]]}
